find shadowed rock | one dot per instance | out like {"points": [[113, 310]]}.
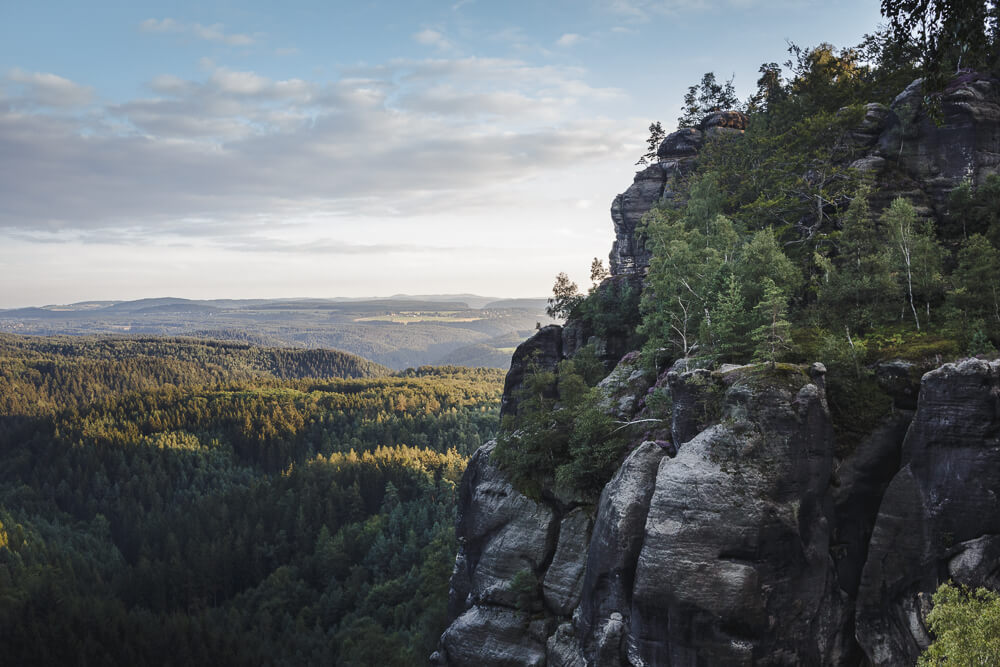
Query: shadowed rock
{"points": [[938, 518]]}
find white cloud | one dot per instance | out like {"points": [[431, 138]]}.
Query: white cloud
{"points": [[239, 83], [429, 37], [569, 39], [237, 153], [50, 90], [211, 33]]}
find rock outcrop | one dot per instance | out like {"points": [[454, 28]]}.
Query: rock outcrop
{"points": [[939, 518], [734, 531], [750, 543], [657, 183], [907, 151]]}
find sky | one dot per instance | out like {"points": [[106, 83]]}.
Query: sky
{"points": [[223, 149]]}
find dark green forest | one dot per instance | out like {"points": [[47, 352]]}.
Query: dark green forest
{"points": [[168, 501]]}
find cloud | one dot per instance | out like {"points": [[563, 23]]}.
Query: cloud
{"points": [[569, 39], [429, 37], [645, 10], [236, 151], [49, 90], [211, 33]]}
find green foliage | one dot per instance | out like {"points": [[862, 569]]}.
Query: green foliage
{"points": [[565, 298], [857, 289], [966, 627], [562, 438], [524, 586], [948, 34], [611, 309], [731, 323], [772, 337], [974, 210], [706, 97], [656, 136], [249, 520]]}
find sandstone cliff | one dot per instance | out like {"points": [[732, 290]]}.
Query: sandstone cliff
{"points": [[737, 533]]}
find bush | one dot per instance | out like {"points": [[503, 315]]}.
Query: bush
{"points": [[966, 627]]}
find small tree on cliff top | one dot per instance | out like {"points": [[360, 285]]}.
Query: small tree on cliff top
{"points": [[565, 297]]}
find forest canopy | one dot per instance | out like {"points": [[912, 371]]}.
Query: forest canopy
{"points": [[201, 503]]}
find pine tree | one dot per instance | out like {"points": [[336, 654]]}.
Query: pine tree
{"points": [[773, 335], [856, 288], [730, 322]]}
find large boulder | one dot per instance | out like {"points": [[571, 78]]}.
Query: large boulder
{"points": [[938, 518], [491, 637]]}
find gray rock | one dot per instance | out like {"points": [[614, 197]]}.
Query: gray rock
{"points": [[938, 517], [609, 641], [730, 120], [697, 398], [563, 648], [626, 386], [563, 582], [857, 487], [735, 565], [867, 133], [615, 542], [901, 380], [490, 637], [543, 351], [500, 531], [683, 143], [937, 157], [628, 254]]}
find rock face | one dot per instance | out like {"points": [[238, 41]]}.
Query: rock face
{"points": [[939, 518], [735, 565], [932, 158], [747, 541], [734, 532], [544, 350]]}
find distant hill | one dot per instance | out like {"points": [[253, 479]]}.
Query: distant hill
{"points": [[183, 360], [525, 304], [399, 332]]}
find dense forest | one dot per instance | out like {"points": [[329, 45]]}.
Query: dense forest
{"points": [[168, 501]]}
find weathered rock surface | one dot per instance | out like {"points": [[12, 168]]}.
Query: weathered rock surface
{"points": [[563, 648], [625, 386], [735, 565], [543, 351], [490, 637], [933, 158], [696, 398], [615, 543], [628, 254], [563, 583], [500, 532], [939, 516]]}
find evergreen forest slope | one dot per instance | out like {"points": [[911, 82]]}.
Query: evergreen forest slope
{"points": [[183, 502]]}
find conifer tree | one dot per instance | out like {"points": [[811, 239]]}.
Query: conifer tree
{"points": [[772, 336]]}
